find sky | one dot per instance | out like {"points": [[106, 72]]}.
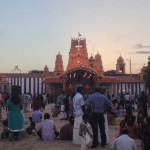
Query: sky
{"points": [[33, 32]]}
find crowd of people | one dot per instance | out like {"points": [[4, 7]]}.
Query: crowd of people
{"points": [[82, 111]]}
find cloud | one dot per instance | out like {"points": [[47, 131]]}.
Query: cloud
{"points": [[141, 46], [142, 52]]}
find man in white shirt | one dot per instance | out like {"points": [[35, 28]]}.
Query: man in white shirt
{"points": [[47, 129], [78, 105], [124, 142]]}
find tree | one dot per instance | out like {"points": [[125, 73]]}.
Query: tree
{"points": [[110, 73], [147, 75], [36, 71]]}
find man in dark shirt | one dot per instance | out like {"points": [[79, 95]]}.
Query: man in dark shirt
{"points": [[99, 104]]}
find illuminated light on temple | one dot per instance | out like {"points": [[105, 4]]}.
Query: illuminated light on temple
{"points": [[84, 74], [89, 76]]}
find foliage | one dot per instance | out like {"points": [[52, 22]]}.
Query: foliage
{"points": [[147, 75], [36, 71], [110, 72]]}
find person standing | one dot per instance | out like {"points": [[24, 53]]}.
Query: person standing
{"points": [[15, 115], [143, 99], [124, 142], [127, 99], [62, 98], [78, 105], [99, 103], [26, 102]]}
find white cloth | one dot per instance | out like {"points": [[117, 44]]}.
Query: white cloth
{"points": [[106, 131], [63, 114], [29, 107], [123, 142], [127, 97], [83, 143], [78, 101], [76, 127]]}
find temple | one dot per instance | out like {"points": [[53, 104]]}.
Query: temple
{"points": [[81, 70]]}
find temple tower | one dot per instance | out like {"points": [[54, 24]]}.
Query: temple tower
{"points": [[46, 70], [120, 66], [78, 56], [59, 69], [98, 64], [91, 61]]}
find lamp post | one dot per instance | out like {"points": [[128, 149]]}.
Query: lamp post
{"points": [[130, 75]]}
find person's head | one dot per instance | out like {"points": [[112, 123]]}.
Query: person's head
{"points": [[46, 116], [102, 89], [16, 94], [71, 120], [97, 89], [30, 119], [143, 92], [36, 108], [85, 117], [124, 131], [80, 89]]}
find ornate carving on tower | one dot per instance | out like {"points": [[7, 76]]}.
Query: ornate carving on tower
{"points": [[120, 66], [46, 70], [78, 56], [98, 66], [59, 69]]}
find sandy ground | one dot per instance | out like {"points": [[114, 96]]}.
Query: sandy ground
{"points": [[32, 142]]}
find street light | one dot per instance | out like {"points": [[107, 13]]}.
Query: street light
{"points": [[130, 75]]}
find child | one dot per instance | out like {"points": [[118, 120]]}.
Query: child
{"points": [[84, 131], [30, 128]]}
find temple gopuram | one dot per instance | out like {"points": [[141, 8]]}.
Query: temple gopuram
{"points": [[81, 70]]}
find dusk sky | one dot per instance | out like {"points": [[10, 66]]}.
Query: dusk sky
{"points": [[33, 32]]}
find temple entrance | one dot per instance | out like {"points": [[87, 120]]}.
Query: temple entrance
{"points": [[81, 77]]}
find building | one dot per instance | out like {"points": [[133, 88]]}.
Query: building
{"points": [[81, 70]]}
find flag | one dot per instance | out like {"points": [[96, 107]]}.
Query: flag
{"points": [[79, 34]]}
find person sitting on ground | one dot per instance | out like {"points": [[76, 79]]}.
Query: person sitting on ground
{"points": [[36, 115], [55, 109], [129, 123], [124, 142], [66, 132], [30, 128], [47, 129], [5, 132]]}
